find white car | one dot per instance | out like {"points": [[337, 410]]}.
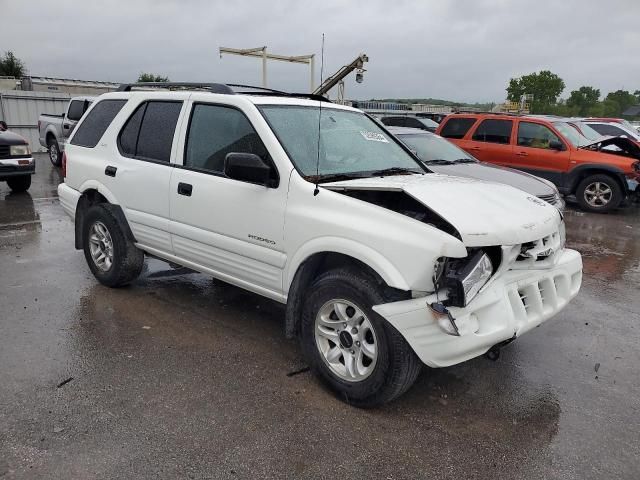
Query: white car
{"points": [[382, 264]]}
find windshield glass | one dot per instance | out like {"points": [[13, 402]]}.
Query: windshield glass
{"points": [[433, 148], [571, 134], [587, 131], [350, 142]]}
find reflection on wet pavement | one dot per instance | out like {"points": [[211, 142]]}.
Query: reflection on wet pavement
{"points": [[183, 376]]}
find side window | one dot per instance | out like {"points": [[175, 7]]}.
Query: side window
{"points": [[96, 123], [603, 129], [76, 109], [148, 134], [414, 123], [457, 127], [394, 121], [215, 131], [494, 131], [535, 135]]}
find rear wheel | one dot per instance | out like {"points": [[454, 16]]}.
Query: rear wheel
{"points": [[599, 193], [355, 351], [19, 184], [54, 151], [113, 259]]}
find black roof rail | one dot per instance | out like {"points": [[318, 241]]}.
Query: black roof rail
{"points": [[228, 89], [211, 87]]}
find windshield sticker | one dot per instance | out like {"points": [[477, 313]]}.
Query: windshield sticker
{"points": [[374, 137]]}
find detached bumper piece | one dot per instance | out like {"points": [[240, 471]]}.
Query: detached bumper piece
{"points": [[509, 305]]}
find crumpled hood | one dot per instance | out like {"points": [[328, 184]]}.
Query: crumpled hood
{"points": [[630, 147], [484, 213]]}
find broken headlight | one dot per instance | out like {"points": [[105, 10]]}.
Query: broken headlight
{"points": [[465, 277]]}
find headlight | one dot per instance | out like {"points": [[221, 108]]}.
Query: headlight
{"points": [[19, 150], [464, 280]]}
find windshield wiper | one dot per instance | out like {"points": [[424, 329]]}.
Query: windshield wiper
{"points": [[465, 160], [438, 161], [392, 171], [333, 177]]}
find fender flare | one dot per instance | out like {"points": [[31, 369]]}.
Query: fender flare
{"points": [[575, 174]]}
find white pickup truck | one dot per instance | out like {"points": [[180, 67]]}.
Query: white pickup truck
{"points": [[382, 264], [56, 129]]}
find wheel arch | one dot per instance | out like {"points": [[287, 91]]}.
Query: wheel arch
{"points": [[306, 266], [581, 172]]}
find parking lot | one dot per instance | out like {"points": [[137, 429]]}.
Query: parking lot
{"points": [[183, 376]]}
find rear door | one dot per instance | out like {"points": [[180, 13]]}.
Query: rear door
{"points": [[532, 151], [230, 228], [140, 172], [491, 141]]}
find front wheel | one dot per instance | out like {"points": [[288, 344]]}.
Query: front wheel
{"points": [[19, 184], [353, 349], [113, 259], [599, 193]]}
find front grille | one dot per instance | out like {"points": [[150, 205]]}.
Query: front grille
{"points": [[552, 199], [4, 151], [541, 249]]}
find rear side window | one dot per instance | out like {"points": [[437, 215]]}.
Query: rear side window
{"points": [[215, 131], [148, 134], [494, 131], [76, 109], [98, 120], [457, 127]]}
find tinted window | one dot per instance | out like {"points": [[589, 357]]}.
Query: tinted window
{"points": [[214, 132], [76, 109], [457, 127], [98, 120], [494, 131], [128, 140], [394, 121], [157, 129], [414, 123], [535, 135], [603, 129]]}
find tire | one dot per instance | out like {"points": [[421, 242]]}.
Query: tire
{"points": [[102, 230], [19, 184], [54, 151], [599, 193], [385, 375]]}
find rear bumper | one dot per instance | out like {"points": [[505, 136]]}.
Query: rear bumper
{"points": [[68, 199], [510, 305], [11, 167]]}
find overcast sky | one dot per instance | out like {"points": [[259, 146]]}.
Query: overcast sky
{"points": [[464, 50]]}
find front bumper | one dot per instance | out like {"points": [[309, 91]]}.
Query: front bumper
{"points": [[15, 167], [510, 305]]}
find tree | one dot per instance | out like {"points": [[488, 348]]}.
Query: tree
{"points": [[12, 66], [151, 77], [583, 99], [623, 99], [545, 87]]}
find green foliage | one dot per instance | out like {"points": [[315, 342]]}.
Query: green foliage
{"points": [[545, 87], [151, 77], [581, 101], [623, 99], [12, 66]]}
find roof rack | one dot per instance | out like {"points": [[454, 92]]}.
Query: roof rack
{"points": [[223, 88]]}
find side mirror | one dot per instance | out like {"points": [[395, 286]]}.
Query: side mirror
{"points": [[556, 145], [248, 167]]}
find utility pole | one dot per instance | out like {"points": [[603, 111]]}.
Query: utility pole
{"points": [[261, 52]]}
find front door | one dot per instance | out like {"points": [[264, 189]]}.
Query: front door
{"points": [[232, 229]]}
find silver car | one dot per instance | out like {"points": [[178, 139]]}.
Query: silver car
{"points": [[442, 156]]}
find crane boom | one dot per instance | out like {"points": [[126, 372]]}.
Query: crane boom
{"points": [[333, 80]]}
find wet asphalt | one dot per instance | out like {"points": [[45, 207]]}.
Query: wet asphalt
{"points": [[183, 376]]}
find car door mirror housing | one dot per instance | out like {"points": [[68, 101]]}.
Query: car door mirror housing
{"points": [[249, 167], [556, 145]]}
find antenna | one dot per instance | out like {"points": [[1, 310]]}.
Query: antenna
{"points": [[317, 189]]}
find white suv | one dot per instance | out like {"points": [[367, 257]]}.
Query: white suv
{"points": [[382, 264]]}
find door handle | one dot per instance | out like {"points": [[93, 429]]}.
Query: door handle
{"points": [[522, 154], [474, 148], [185, 189], [110, 171]]}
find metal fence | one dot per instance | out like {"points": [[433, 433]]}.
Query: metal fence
{"points": [[21, 109]]}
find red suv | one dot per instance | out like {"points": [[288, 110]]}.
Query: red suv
{"points": [[551, 148]]}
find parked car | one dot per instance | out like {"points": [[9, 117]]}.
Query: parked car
{"points": [[381, 263], [442, 156], [619, 121], [410, 121], [16, 162], [56, 129], [613, 129], [551, 149]]}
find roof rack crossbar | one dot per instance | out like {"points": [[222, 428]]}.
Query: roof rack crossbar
{"points": [[211, 87]]}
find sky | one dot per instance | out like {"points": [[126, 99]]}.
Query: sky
{"points": [[459, 50]]}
